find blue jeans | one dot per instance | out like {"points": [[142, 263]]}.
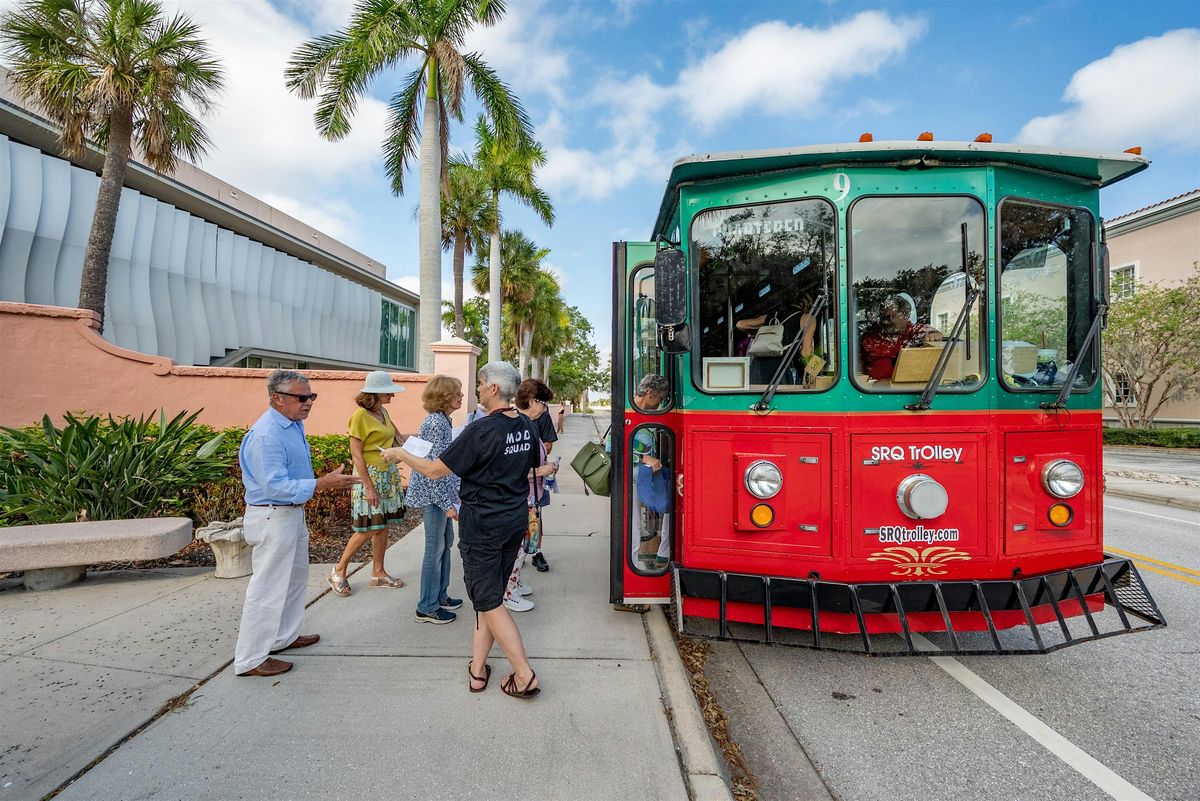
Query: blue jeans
{"points": [[435, 567]]}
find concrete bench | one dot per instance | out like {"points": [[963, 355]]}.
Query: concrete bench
{"points": [[57, 554]]}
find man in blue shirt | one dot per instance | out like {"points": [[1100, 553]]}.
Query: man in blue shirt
{"points": [[278, 477]]}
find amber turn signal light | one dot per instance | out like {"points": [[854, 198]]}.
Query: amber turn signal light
{"points": [[762, 515], [1060, 514], [926, 136]]}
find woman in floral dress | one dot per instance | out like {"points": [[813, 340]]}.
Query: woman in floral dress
{"points": [[378, 501]]}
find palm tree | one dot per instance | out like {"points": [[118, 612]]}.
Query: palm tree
{"points": [[541, 306], [507, 165], [468, 215], [553, 336], [120, 73], [521, 259], [382, 33]]}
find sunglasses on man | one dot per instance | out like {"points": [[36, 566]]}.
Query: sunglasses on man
{"points": [[305, 398]]}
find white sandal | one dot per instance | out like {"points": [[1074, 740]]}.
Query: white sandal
{"points": [[338, 583]]}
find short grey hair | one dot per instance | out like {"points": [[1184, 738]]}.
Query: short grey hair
{"points": [[653, 382], [503, 375], [278, 379]]}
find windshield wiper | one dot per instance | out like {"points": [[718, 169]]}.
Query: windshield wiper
{"points": [[951, 342], [789, 355], [1092, 335]]}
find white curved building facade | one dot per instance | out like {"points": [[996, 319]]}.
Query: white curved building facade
{"points": [[191, 275]]}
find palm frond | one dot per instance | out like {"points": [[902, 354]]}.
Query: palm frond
{"points": [[402, 141], [503, 107]]}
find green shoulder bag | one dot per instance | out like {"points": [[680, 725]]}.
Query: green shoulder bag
{"points": [[594, 466]]}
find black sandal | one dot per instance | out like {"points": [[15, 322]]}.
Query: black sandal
{"points": [[510, 687], [485, 678]]}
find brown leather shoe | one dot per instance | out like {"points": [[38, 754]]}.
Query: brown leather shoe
{"points": [[303, 641], [269, 667]]}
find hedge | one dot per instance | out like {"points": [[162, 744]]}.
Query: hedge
{"points": [[1157, 437]]}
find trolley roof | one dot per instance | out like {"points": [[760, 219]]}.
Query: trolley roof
{"points": [[1090, 166]]}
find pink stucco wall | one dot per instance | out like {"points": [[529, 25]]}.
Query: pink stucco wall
{"points": [[53, 361]]}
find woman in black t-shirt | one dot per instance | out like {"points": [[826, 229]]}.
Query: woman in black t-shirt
{"points": [[492, 456], [533, 399]]}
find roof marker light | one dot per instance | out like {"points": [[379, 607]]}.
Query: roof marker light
{"points": [[1137, 151], [867, 137], [927, 136], [984, 137]]}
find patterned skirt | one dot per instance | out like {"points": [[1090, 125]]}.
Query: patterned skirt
{"points": [[391, 500]]}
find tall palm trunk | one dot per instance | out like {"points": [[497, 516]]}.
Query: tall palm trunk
{"points": [[460, 251], [546, 368], [525, 345], [93, 285], [429, 238], [494, 295]]}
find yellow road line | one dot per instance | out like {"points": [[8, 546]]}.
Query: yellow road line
{"points": [[1168, 565], [1169, 574]]}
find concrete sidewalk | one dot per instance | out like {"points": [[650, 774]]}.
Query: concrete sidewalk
{"points": [[1166, 476], [380, 706]]}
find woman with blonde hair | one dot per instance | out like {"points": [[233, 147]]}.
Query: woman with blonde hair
{"points": [[378, 501], [438, 501]]}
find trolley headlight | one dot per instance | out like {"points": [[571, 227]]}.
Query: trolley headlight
{"points": [[763, 479], [1062, 478]]}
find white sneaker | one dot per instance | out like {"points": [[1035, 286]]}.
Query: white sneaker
{"points": [[523, 589], [517, 604]]}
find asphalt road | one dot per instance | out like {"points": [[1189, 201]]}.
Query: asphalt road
{"points": [[1167, 461], [1123, 714]]}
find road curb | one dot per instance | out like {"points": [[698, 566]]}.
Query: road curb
{"points": [[1146, 497], [703, 768]]}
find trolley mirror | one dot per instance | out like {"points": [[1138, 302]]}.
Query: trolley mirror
{"points": [[670, 270]]}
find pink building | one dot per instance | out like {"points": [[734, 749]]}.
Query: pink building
{"points": [[1159, 244]]}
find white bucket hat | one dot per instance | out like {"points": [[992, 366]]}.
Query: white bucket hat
{"points": [[380, 382]]}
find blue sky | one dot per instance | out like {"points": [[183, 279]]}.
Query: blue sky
{"points": [[618, 89]]}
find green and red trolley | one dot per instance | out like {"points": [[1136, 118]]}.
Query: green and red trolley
{"points": [[881, 424]]}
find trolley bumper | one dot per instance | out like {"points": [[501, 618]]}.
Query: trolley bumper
{"points": [[1116, 579]]}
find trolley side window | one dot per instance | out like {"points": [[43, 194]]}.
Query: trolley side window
{"points": [[910, 260], [652, 499], [1046, 295], [646, 358], [761, 270]]}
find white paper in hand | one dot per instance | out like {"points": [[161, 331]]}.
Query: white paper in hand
{"points": [[417, 446]]}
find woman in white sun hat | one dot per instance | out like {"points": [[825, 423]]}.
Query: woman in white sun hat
{"points": [[378, 501]]}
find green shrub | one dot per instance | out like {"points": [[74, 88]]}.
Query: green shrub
{"points": [[104, 468], [224, 498], [107, 469], [1158, 437]]}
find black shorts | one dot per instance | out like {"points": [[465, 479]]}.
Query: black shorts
{"points": [[487, 566]]}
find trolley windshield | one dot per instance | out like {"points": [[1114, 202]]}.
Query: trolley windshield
{"points": [[761, 269], [1046, 295]]}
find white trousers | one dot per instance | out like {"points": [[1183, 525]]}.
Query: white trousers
{"points": [[274, 604]]}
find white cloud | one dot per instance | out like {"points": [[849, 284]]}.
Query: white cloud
{"points": [[633, 109], [756, 69], [521, 50], [263, 137], [1145, 93], [782, 69]]}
